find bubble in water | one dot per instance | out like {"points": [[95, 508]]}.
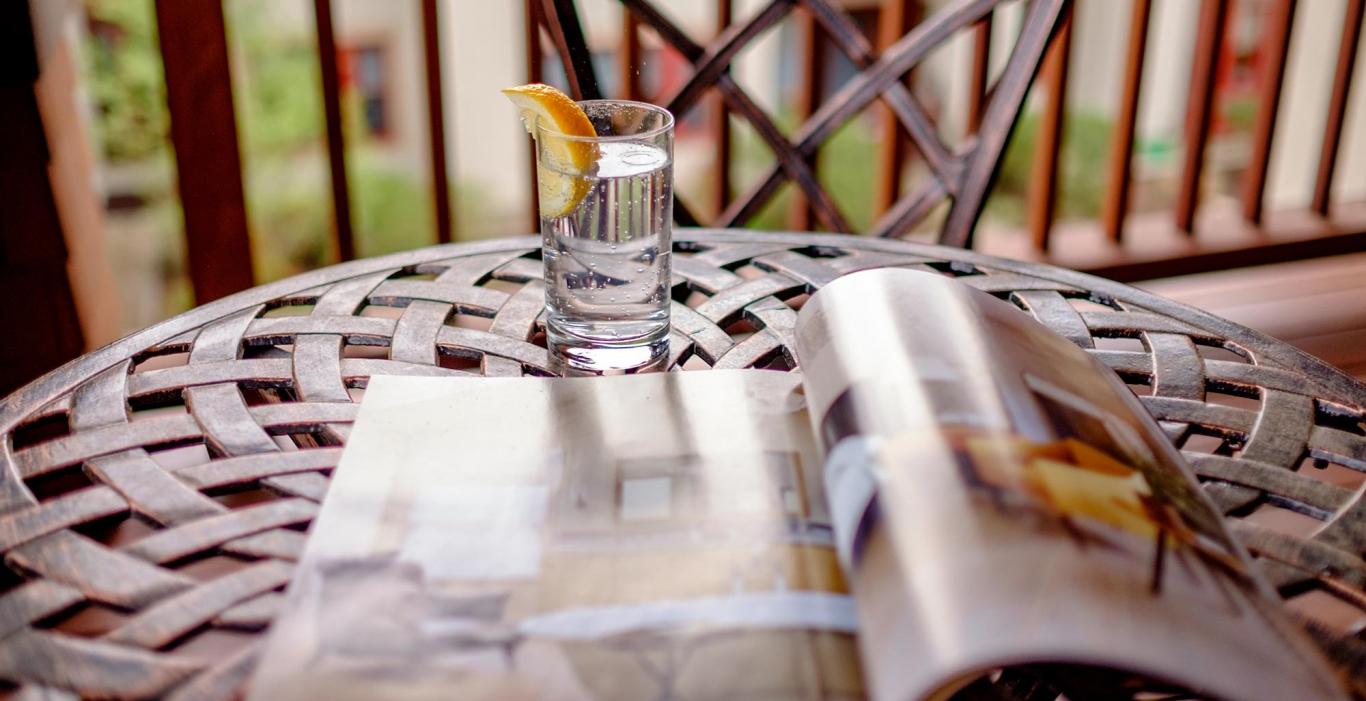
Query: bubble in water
{"points": [[601, 295]]}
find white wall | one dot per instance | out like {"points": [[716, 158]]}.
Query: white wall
{"points": [[756, 69], [483, 52], [1351, 178], [1166, 67], [1304, 109]]}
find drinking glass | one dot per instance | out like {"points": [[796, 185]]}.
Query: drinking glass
{"points": [[607, 257]]}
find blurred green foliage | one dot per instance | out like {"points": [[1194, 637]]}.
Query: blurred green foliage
{"points": [[278, 101], [393, 212], [1084, 153], [277, 93], [390, 212], [846, 168], [1240, 113], [126, 80]]}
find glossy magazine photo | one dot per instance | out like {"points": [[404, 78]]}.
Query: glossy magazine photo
{"points": [[948, 499]]}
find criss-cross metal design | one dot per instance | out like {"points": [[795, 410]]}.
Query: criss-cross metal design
{"points": [[962, 175], [154, 494]]}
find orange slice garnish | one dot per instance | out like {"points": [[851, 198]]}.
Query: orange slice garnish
{"points": [[560, 182]]}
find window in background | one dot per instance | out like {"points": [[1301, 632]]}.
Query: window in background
{"points": [[366, 71]]}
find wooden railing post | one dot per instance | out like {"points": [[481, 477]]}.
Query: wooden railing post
{"points": [[1199, 106], [721, 125], [1043, 190], [895, 18], [535, 73], [1122, 139], [628, 58], [809, 89], [1337, 105], [336, 140], [1275, 47], [436, 122], [194, 51], [40, 315], [981, 68]]}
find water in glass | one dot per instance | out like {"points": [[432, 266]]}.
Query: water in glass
{"points": [[607, 260]]}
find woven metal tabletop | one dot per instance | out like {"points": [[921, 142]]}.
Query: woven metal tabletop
{"points": [[157, 491]]}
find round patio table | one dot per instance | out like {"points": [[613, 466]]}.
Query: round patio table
{"points": [[158, 490]]}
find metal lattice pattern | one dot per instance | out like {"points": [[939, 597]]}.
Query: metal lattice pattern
{"points": [[959, 175], [159, 489]]}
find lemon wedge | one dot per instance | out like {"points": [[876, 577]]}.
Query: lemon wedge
{"points": [[560, 191]]}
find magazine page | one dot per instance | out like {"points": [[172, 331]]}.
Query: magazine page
{"points": [[632, 537], [1001, 499]]}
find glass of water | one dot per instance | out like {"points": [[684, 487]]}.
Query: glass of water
{"points": [[607, 255]]}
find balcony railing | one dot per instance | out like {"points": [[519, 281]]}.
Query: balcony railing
{"points": [[1186, 237], [1133, 225]]}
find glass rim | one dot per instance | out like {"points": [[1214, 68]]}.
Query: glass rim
{"points": [[667, 126]]}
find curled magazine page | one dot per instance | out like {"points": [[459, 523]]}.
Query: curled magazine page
{"points": [[1008, 515], [633, 537]]}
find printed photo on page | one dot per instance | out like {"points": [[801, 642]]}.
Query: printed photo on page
{"points": [[633, 537], [1001, 501]]}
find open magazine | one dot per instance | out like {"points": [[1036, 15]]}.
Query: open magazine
{"points": [[949, 499]]}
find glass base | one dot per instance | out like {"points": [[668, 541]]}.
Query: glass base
{"points": [[576, 355]]}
